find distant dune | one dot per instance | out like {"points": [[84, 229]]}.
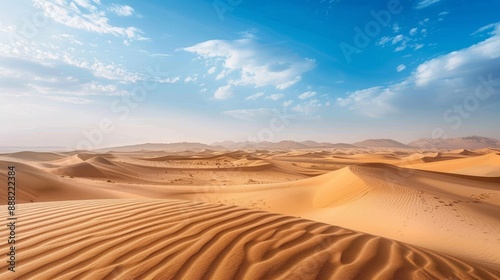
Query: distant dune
{"points": [[183, 146]]}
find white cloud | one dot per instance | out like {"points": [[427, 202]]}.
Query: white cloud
{"points": [[418, 46], [413, 31], [53, 56], [121, 10], [384, 40], [397, 39], [223, 92], [402, 47], [103, 70], [254, 96], [426, 3], [401, 67], [439, 82], [160, 55], [372, 102], [85, 17], [87, 89], [223, 74], [191, 79], [400, 40], [287, 103], [212, 70], [248, 34], [67, 37], [396, 28], [171, 80], [275, 96], [307, 94], [249, 114], [256, 64], [307, 108], [490, 26], [7, 28]]}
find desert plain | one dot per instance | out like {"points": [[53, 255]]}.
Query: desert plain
{"points": [[338, 213]]}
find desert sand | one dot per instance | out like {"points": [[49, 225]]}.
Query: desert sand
{"points": [[346, 213]]}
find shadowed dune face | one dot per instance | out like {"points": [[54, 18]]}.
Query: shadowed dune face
{"points": [[167, 239], [446, 201]]}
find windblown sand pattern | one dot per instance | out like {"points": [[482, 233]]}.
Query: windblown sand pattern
{"points": [[298, 214], [176, 239]]}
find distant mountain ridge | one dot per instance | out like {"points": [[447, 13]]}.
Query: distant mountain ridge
{"points": [[380, 143], [470, 142]]}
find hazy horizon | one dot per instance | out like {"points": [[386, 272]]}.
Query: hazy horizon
{"points": [[98, 74]]}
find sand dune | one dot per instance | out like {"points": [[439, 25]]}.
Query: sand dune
{"points": [[34, 156], [167, 239], [483, 165], [446, 201], [428, 209], [36, 185]]}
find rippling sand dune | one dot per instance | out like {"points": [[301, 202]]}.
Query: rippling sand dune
{"points": [[306, 214], [166, 239]]}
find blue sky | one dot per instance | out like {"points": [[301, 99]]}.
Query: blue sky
{"points": [[96, 73]]}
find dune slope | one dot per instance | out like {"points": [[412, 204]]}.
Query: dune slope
{"points": [[166, 239]]}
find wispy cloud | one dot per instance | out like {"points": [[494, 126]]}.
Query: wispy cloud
{"points": [[426, 3], [121, 10], [212, 70], [307, 107], [401, 67], [85, 16], [171, 80], [275, 96], [373, 102], [224, 92], [191, 79], [400, 41], [492, 26], [254, 96], [307, 94], [287, 103]]}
